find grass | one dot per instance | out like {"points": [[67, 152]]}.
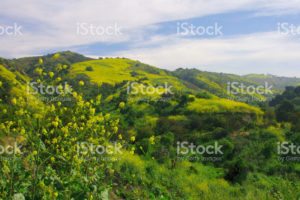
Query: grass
{"points": [[221, 106], [19, 88], [109, 70], [117, 70]]}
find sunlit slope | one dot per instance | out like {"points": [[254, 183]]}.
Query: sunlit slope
{"points": [[13, 90], [218, 83], [117, 70], [218, 105], [13, 84]]}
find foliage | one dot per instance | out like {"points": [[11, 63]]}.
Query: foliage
{"points": [[53, 163]]}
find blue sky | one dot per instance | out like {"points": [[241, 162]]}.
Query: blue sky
{"points": [[155, 32]]}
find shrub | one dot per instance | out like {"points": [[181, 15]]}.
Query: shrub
{"points": [[89, 68]]}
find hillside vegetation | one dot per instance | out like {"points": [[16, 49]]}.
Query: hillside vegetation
{"points": [[116, 128]]}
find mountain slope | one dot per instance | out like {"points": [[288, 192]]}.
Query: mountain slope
{"points": [[219, 84], [278, 82], [149, 128], [27, 64], [118, 70]]}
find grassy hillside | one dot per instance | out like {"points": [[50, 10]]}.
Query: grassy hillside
{"points": [[13, 90], [218, 83], [279, 82], [218, 105], [27, 64], [58, 159], [118, 70]]}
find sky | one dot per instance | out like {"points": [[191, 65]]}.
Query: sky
{"points": [[236, 36]]}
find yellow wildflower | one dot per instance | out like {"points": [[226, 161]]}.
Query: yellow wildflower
{"points": [[81, 83], [132, 138], [152, 140]]}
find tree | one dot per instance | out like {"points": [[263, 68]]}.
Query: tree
{"points": [[284, 111], [89, 68]]}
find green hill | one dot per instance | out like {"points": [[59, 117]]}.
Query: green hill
{"points": [[278, 82], [150, 122], [117, 70]]}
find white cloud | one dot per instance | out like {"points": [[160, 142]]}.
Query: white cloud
{"points": [[260, 53], [52, 24]]}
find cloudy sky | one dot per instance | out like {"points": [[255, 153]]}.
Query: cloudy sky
{"points": [[236, 36]]}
